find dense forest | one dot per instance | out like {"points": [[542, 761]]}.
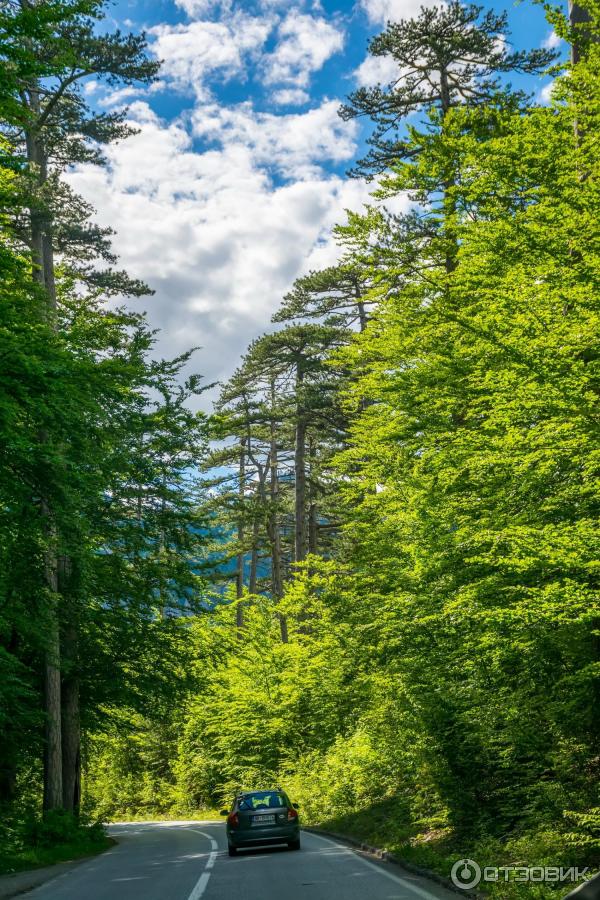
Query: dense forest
{"points": [[371, 572]]}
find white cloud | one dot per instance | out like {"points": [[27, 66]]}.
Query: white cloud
{"points": [[546, 93], [221, 209], [194, 52], [210, 231], [501, 44], [305, 43], [296, 144], [199, 8], [285, 4], [120, 96], [290, 97], [552, 41], [377, 70], [381, 11]]}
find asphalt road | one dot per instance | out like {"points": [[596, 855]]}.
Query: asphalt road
{"points": [[189, 861]]}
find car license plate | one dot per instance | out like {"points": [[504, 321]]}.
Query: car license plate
{"points": [[263, 820]]}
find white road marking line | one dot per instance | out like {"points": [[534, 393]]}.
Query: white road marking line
{"points": [[202, 882], [213, 843], [174, 824], [200, 886], [421, 892]]}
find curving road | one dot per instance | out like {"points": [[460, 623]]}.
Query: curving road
{"points": [[189, 861]]}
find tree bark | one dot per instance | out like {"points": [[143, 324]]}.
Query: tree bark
{"points": [[577, 16], [312, 501], [274, 532], [362, 316], [53, 787], [448, 201], [42, 250], [261, 493], [253, 580], [300, 471], [70, 713], [71, 745], [42, 258], [362, 313], [240, 536]]}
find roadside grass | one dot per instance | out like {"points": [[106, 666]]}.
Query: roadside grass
{"points": [[437, 850], [37, 859], [32, 843], [207, 815], [16, 856]]}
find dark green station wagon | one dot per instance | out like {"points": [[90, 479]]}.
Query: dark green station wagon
{"points": [[262, 817]]}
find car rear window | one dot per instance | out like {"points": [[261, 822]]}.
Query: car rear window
{"points": [[263, 800]]}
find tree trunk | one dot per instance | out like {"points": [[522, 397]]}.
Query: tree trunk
{"points": [[42, 258], [300, 472], [362, 313], [261, 505], [53, 788], [8, 783], [71, 745], [362, 316], [274, 532], [240, 536], [70, 718], [253, 580], [448, 201], [42, 250], [312, 501], [577, 16]]}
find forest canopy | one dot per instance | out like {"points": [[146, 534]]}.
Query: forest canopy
{"points": [[371, 572]]}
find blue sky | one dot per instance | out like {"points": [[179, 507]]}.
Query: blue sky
{"points": [[237, 176]]}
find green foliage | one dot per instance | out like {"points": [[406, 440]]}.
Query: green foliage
{"points": [[268, 704], [27, 840], [446, 57], [131, 769], [420, 665], [59, 827], [100, 529], [438, 690]]}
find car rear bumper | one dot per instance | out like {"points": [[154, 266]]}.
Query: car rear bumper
{"points": [[254, 837]]}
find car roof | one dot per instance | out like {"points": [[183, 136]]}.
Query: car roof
{"points": [[277, 790]]}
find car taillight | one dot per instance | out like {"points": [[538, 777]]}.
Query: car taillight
{"points": [[233, 819], [292, 814]]}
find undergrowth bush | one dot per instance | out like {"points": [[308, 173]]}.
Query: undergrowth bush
{"points": [[28, 839]]}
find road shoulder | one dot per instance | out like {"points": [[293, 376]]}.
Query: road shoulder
{"points": [[380, 855], [22, 882]]}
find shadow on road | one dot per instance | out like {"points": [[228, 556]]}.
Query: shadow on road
{"points": [[270, 849]]}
